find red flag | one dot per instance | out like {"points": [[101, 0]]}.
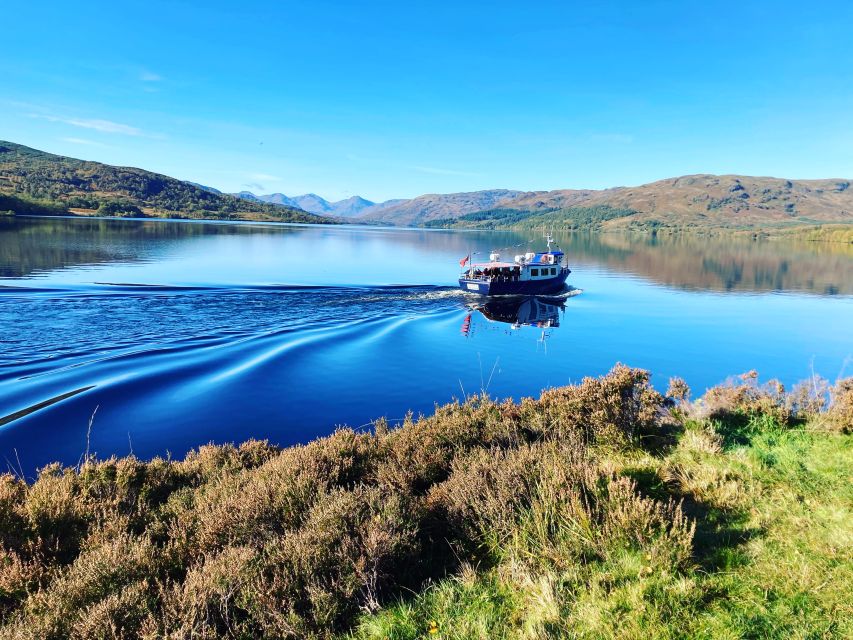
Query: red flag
{"points": [[463, 261]]}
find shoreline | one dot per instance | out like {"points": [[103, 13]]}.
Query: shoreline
{"points": [[830, 233]]}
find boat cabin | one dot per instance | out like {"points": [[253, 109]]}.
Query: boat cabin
{"points": [[530, 266]]}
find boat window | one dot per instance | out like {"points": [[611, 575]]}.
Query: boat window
{"points": [[534, 272], [553, 271]]}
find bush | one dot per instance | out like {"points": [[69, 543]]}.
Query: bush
{"points": [[617, 409], [747, 397], [809, 398], [841, 407]]}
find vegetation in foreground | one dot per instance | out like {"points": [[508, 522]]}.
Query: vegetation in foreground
{"points": [[603, 509]]}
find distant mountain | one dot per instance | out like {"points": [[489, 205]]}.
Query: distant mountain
{"points": [[33, 181], [351, 206], [313, 203], [426, 208], [247, 195], [379, 206], [280, 198]]}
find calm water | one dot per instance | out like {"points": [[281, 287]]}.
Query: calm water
{"points": [[186, 333]]}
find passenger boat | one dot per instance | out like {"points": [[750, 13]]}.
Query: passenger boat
{"points": [[528, 274]]}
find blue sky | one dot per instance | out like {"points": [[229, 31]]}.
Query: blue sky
{"points": [[396, 99]]}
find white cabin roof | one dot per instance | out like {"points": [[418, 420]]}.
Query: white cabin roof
{"points": [[494, 265]]}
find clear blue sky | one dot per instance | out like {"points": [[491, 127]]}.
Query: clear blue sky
{"points": [[396, 99]]}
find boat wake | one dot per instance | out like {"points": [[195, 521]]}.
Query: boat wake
{"points": [[171, 367]]}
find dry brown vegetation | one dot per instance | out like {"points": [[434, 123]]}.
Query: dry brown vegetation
{"points": [[255, 541]]}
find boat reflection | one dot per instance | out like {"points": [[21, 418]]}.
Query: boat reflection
{"points": [[523, 311]]}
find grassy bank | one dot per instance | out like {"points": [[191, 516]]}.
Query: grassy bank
{"points": [[598, 510]]}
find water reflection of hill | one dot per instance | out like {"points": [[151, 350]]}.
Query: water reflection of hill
{"points": [[32, 245], [724, 264], [29, 246]]}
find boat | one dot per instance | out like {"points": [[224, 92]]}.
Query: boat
{"points": [[528, 274]]}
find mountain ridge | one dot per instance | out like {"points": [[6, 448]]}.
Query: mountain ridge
{"points": [[311, 202]]}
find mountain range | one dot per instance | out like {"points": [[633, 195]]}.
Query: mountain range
{"points": [[703, 200], [400, 211], [33, 181], [311, 202]]}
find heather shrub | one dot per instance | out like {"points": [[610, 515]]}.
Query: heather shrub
{"points": [[809, 398], [250, 508], [627, 520], [207, 604], [120, 615], [18, 577], [619, 408], [420, 454], [55, 514], [13, 522], [841, 407], [352, 546], [103, 569], [488, 490], [747, 397], [211, 461], [678, 390]]}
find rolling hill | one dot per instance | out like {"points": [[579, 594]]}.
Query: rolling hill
{"points": [[426, 208], [33, 181], [696, 201]]}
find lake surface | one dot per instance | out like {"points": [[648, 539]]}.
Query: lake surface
{"points": [[183, 333]]}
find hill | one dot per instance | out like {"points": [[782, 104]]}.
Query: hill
{"points": [[598, 510], [698, 201], [33, 181], [434, 206]]}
